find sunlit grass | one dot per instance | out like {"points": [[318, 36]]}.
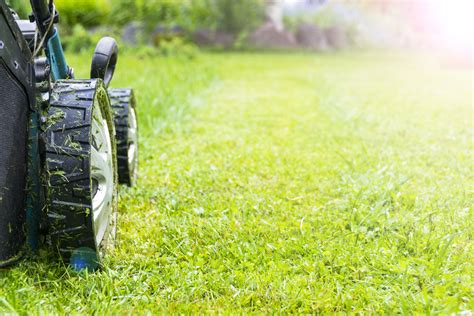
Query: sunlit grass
{"points": [[292, 183]]}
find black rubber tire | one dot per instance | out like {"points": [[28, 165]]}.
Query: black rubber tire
{"points": [[68, 167], [122, 101]]}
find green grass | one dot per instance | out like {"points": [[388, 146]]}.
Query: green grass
{"points": [[285, 183]]}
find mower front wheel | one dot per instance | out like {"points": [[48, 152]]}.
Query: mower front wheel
{"points": [[81, 172]]}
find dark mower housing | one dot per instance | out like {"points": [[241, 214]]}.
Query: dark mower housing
{"points": [[65, 143], [17, 99]]}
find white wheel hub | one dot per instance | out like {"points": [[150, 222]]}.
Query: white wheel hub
{"points": [[102, 174], [132, 144]]}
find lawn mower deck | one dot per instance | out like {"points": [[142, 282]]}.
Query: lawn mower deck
{"points": [[17, 99]]}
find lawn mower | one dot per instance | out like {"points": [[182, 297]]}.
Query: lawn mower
{"points": [[65, 143]]}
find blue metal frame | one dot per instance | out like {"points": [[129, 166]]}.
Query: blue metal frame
{"points": [[57, 60]]}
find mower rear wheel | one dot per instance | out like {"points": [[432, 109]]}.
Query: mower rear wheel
{"points": [[126, 127], [81, 172]]}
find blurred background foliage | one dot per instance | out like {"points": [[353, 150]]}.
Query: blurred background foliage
{"points": [[84, 20], [365, 23], [227, 15]]}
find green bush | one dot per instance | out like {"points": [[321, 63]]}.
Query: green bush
{"points": [[86, 12], [238, 16], [150, 12], [229, 16], [165, 12], [200, 13], [124, 11], [79, 40]]}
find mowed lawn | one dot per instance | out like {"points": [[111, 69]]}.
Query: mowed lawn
{"points": [[284, 183]]}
